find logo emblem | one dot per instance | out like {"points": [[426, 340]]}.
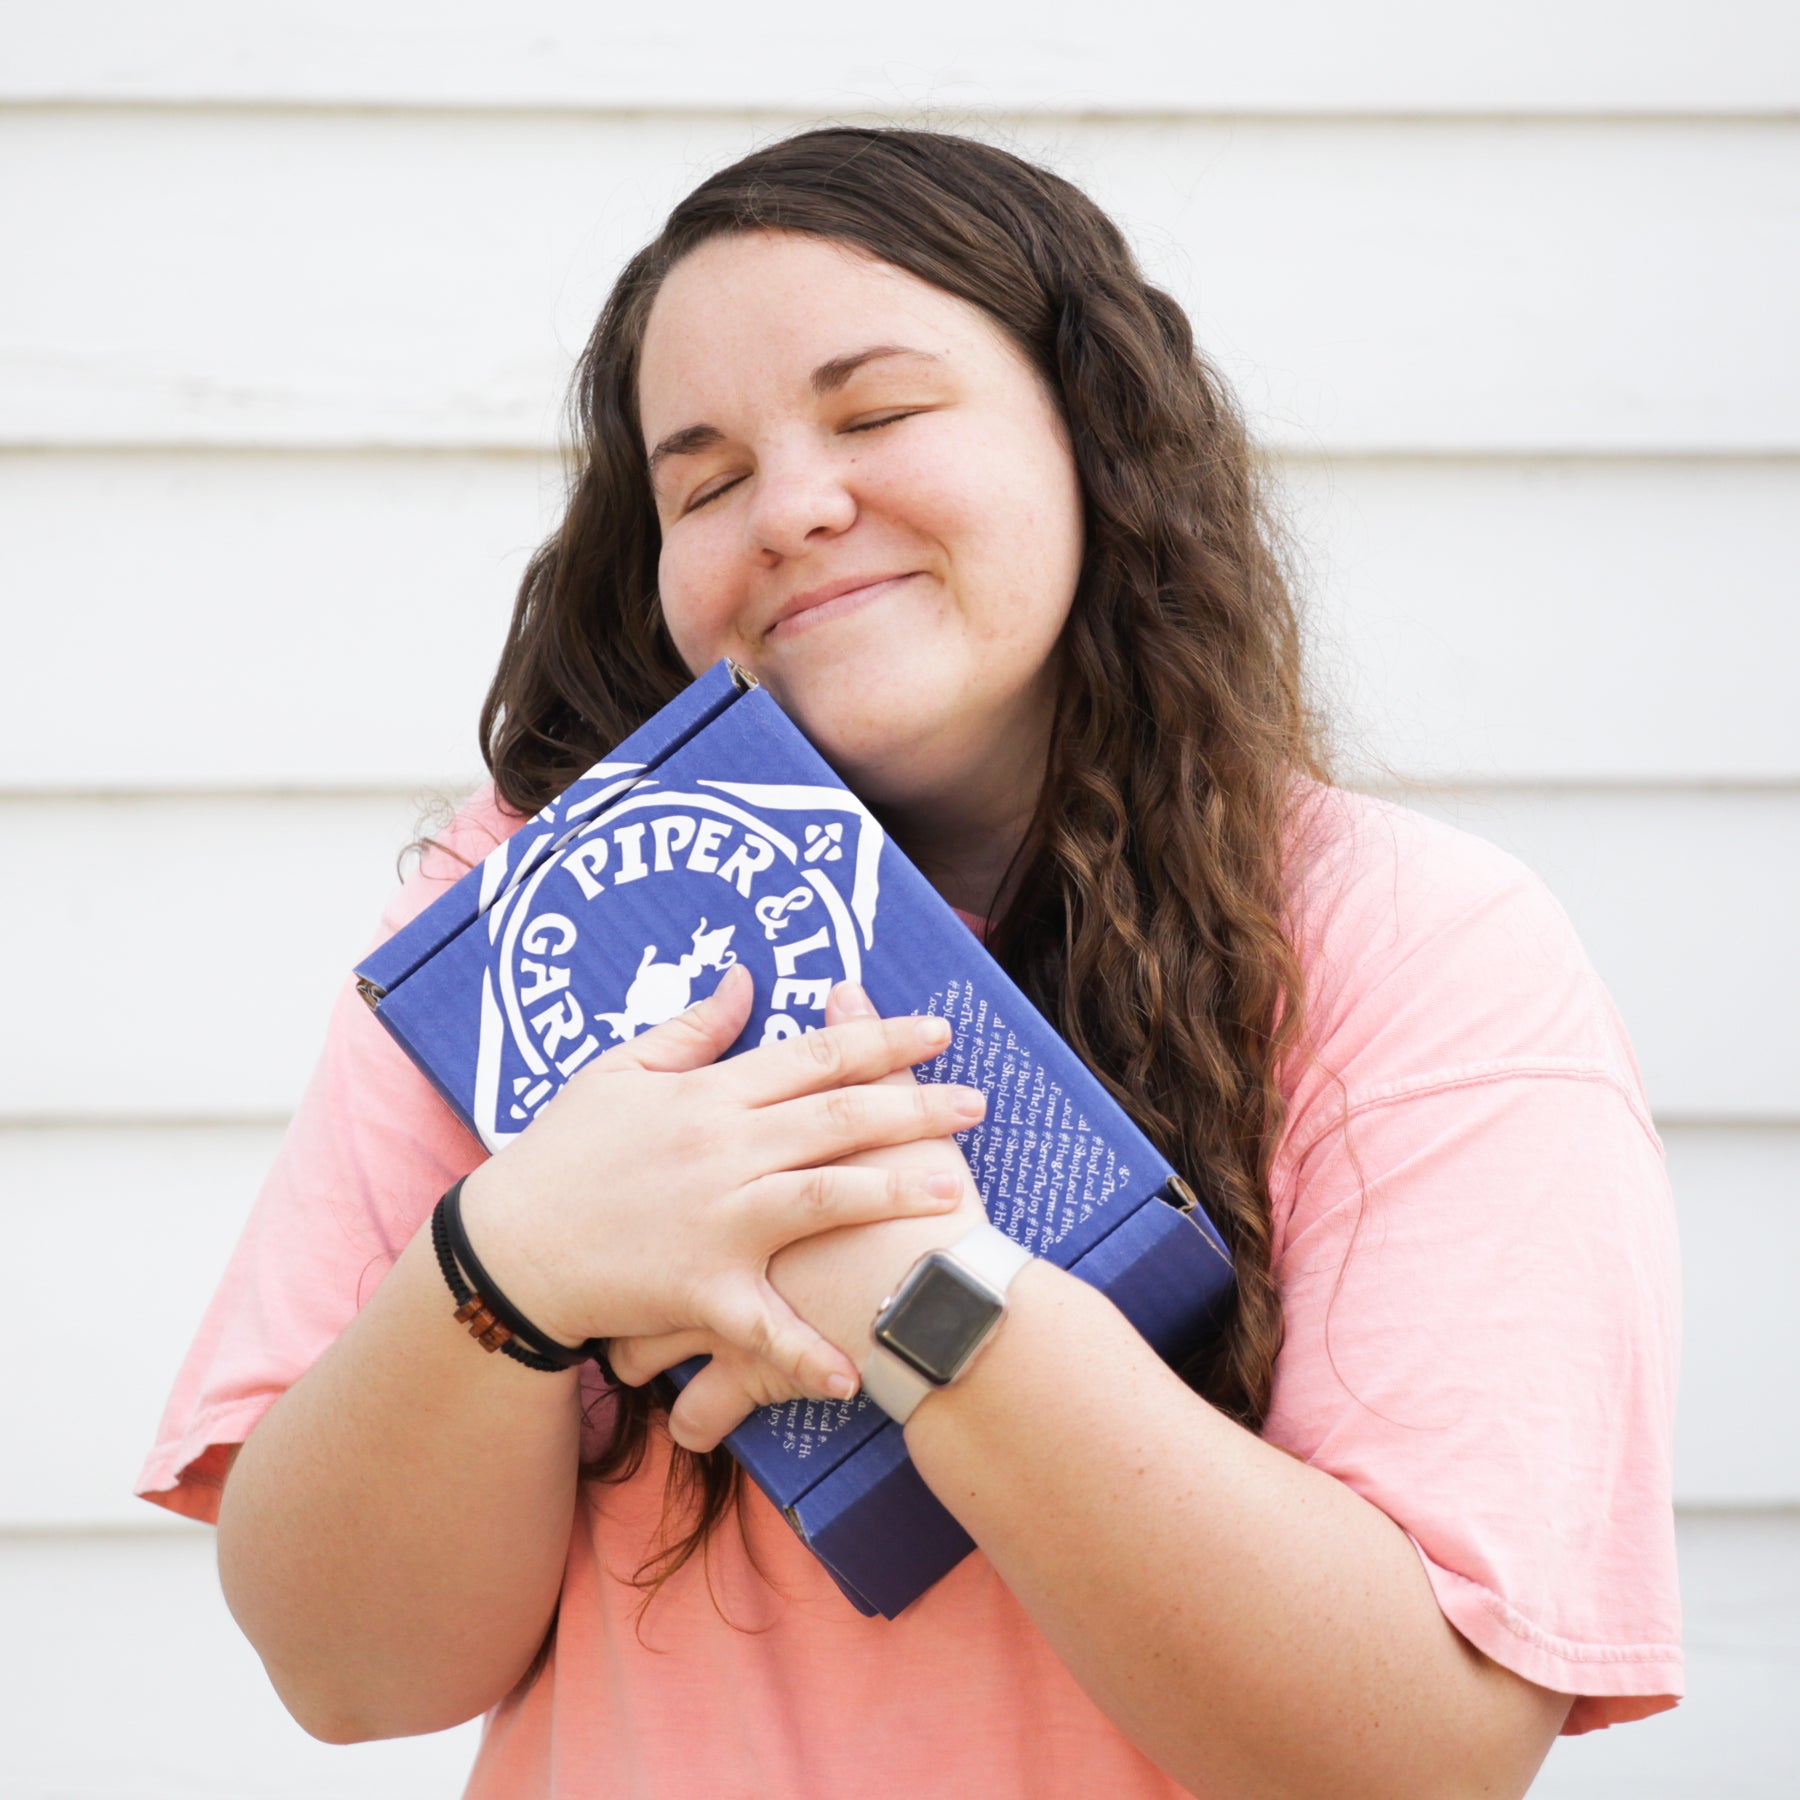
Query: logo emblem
{"points": [[660, 990], [637, 913]]}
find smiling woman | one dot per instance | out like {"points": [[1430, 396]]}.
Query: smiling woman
{"points": [[893, 419], [889, 535]]}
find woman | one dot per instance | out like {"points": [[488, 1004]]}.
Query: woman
{"points": [[892, 419]]}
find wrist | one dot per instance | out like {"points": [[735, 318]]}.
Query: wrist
{"points": [[1045, 1306], [500, 1230], [838, 1280], [944, 1316]]}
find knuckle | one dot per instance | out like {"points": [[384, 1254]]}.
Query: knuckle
{"points": [[844, 1111], [816, 1193], [823, 1051]]}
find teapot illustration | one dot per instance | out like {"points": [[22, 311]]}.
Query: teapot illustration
{"points": [[660, 990]]}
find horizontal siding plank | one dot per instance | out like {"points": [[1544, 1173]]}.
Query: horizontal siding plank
{"points": [[109, 1215], [112, 1216], [1556, 621], [207, 936], [330, 621], [211, 937], [1736, 1194], [1281, 56], [189, 1711], [268, 621], [363, 279]]}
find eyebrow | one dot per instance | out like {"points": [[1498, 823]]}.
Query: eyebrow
{"points": [[685, 442], [827, 378]]}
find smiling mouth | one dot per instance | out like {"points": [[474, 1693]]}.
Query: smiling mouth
{"points": [[820, 612]]}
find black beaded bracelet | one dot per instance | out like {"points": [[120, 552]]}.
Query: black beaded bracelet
{"points": [[493, 1321]]}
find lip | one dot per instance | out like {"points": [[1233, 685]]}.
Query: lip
{"points": [[818, 604]]}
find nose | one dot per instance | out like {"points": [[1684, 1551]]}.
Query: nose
{"points": [[798, 500]]}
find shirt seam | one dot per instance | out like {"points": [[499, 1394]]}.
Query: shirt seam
{"points": [[1564, 1649], [204, 1422], [1445, 1081]]}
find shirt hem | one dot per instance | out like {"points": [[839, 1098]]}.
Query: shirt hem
{"points": [[1612, 1684], [174, 1475]]}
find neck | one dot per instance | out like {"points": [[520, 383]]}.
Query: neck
{"points": [[964, 840], [960, 809]]}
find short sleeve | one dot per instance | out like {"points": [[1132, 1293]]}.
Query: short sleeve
{"points": [[370, 1148], [1476, 1256]]}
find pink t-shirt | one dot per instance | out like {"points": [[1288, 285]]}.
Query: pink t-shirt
{"points": [[1476, 1251]]}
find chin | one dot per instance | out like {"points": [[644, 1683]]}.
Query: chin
{"points": [[882, 738]]}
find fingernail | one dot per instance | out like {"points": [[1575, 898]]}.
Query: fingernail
{"points": [[945, 1186], [971, 1103], [854, 1001], [840, 1387], [719, 990], [934, 1032]]}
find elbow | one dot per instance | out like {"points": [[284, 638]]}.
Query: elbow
{"points": [[326, 1716], [329, 1727], [321, 1715], [336, 1719], [340, 1700]]}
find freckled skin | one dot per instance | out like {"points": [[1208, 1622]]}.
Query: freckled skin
{"points": [[951, 468]]}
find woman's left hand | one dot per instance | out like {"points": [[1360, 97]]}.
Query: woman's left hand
{"points": [[836, 1281]]}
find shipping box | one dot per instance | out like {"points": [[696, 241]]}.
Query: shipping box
{"points": [[715, 835]]}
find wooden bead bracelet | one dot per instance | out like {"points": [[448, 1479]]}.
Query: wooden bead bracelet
{"points": [[493, 1321]]}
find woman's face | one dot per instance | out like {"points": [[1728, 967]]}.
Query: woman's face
{"points": [[867, 498]]}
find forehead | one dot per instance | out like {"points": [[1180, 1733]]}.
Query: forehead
{"points": [[748, 318]]}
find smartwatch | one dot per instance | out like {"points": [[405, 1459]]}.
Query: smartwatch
{"points": [[949, 1305]]}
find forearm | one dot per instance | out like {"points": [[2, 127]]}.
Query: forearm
{"points": [[393, 1533], [1249, 1622]]}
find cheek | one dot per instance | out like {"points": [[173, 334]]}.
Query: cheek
{"points": [[1010, 515], [693, 583]]}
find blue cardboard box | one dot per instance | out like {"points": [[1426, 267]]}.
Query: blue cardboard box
{"points": [[714, 835]]}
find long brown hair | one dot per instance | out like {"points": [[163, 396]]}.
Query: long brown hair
{"points": [[1147, 917]]}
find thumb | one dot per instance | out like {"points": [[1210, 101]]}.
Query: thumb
{"points": [[691, 1039]]}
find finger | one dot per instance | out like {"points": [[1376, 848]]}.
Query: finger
{"points": [[799, 1203], [821, 1128], [752, 1316], [691, 1039], [718, 1400], [860, 1049], [636, 1360], [848, 1001]]}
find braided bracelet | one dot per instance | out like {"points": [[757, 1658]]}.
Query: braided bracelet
{"points": [[493, 1321]]}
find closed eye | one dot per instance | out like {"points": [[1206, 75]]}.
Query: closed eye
{"points": [[712, 494], [889, 419], [864, 425]]}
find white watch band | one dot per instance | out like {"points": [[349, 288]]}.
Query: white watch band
{"points": [[994, 1260]]}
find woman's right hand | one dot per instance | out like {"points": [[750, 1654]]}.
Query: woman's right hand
{"points": [[651, 1192]]}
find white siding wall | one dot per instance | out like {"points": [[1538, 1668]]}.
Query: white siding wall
{"points": [[291, 296]]}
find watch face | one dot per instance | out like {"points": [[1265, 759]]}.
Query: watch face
{"points": [[937, 1319]]}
